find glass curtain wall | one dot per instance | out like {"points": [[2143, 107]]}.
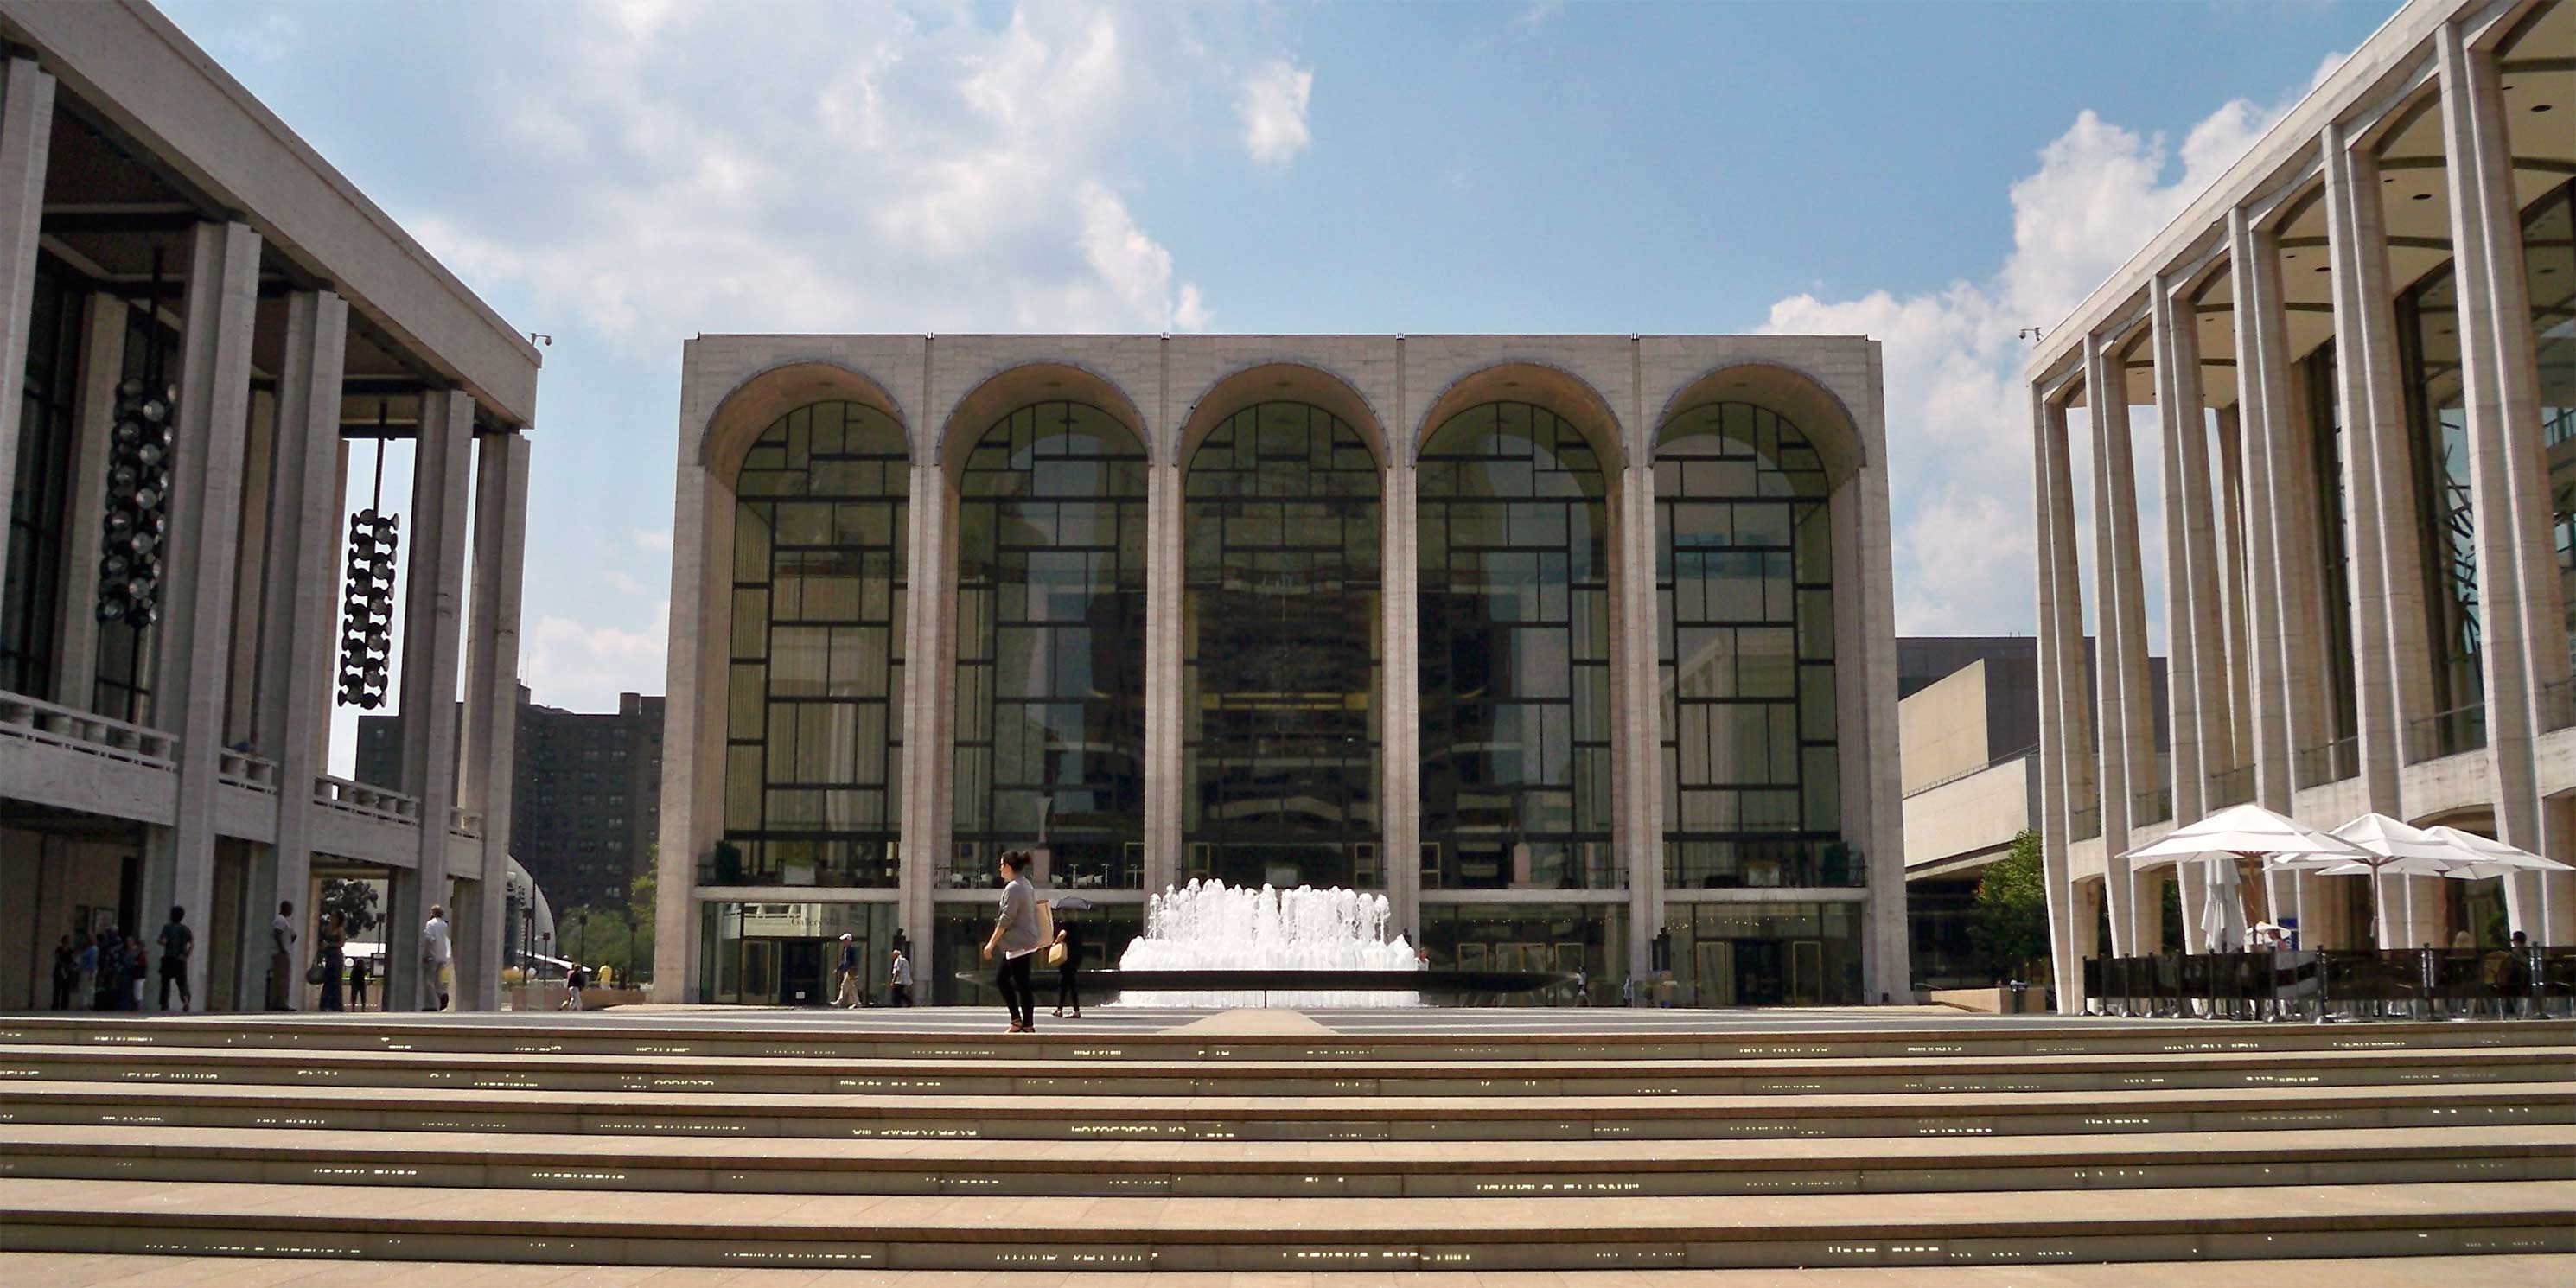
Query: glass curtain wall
{"points": [[785, 954], [2549, 256], [1051, 648], [814, 722], [948, 975], [2340, 758], [1589, 939], [1280, 652], [1761, 954], [2429, 331], [1745, 647], [1513, 524], [31, 596]]}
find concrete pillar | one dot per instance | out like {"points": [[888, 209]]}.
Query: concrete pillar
{"points": [[299, 598], [2393, 670], [2237, 682], [1880, 813], [488, 778], [102, 369], [2284, 620], [2196, 653], [433, 597], [1165, 777], [1636, 764], [2064, 737], [250, 571], [697, 692], [1400, 706], [2522, 646], [26, 136], [208, 428], [2127, 752], [930, 679]]}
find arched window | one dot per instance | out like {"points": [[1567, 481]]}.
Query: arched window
{"points": [[1051, 647], [1515, 654], [1745, 647], [814, 711], [1280, 652]]}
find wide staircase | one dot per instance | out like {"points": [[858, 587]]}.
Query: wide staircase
{"points": [[597, 1141]]}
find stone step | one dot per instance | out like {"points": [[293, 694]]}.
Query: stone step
{"points": [[1288, 1118], [1257, 1077], [846, 1036], [1308, 1234], [1251, 1169]]}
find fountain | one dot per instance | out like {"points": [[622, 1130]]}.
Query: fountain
{"points": [[1208, 925]]}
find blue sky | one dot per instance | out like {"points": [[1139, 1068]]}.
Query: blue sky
{"points": [[623, 176]]}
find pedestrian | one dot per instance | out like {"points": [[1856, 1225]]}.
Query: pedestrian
{"points": [[358, 970], [1015, 936], [86, 962], [846, 982], [66, 972], [434, 952], [1582, 988], [574, 982], [107, 981], [177, 942], [138, 968], [1628, 991], [331, 945], [899, 980], [1068, 991], [282, 935]]}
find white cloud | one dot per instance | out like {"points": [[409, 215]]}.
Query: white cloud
{"points": [[1958, 415], [929, 168], [583, 668], [1274, 112], [656, 540]]}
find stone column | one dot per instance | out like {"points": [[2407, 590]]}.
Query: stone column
{"points": [[929, 678], [2194, 619], [697, 695], [2064, 737], [2127, 753], [209, 426], [2284, 620], [2236, 683], [1165, 776], [26, 136], [299, 599], [2393, 669], [102, 369], [489, 778], [433, 595], [250, 572], [2523, 646], [1636, 767], [1400, 678]]}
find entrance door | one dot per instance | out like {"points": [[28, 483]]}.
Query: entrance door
{"points": [[1716, 974], [800, 973], [1760, 975], [760, 971], [1807, 973]]}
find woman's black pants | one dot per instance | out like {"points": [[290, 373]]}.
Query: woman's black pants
{"points": [[1013, 979], [1066, 994]]}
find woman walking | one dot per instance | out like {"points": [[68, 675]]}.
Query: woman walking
{"points": [[1068, 936], [1015, 934], [332, 944]]}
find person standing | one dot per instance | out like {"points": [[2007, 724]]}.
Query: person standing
{"points": [[1015, 936], [107, 982], [434, 953], [574, 982], [899, 980], [282, 935], [87, 961], [358, 970], [66, 972], [1068, 991], [332, 941], [846, 984], [138, 968], [177, 942]]}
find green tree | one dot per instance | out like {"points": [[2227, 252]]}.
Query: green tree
{"points": [[355, 901], [2008, 925]]}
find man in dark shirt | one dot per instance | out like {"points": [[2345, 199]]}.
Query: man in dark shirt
{"points": [[177, 941], [847, 994]]}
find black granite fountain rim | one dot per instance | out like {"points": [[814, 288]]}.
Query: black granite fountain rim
{"points": [[1284, 981]]}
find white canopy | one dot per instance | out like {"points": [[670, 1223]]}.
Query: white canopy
{"points": [[2393, 849], [2248, 830], [2492, 858], [2222, 907]]}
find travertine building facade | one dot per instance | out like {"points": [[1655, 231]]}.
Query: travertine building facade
{"points": [[2358, 353], [1578, 648]]}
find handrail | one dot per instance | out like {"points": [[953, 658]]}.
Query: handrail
{"points": [[465, 822], [242, 769], [2330, 762], [2005, 759], [2447, 733], [2231, 787], [41, 721], [2557, 705], [366, 799]]}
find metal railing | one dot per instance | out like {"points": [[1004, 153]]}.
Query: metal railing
{"points": [[36, 720], [1974, 770], [365, 799], [242, 769], [2447, 733], [2331, 763], [2231, 787], [2154, 805], [2557, 705], [2084, 824], [2314, 984]]}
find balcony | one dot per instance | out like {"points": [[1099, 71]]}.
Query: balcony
{"points": [[2557, 705], [244, 770], [43, 722], [2330, 763], [365, 800], [465, 822], [2084, 824], [2231, 787], [2446, 733], [2154, 805]]}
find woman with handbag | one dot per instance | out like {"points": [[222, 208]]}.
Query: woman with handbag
{"points": [[329, 957], [1016, 936], [1065, 954]]}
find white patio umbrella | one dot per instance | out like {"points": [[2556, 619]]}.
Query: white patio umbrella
{"points": [[2492, 858], [2237, 832], [2393, 849], [2222, 908]]}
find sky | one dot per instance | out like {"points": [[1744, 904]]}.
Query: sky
{"points": [[620, 177]]}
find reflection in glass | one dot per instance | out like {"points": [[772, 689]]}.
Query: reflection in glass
{"points": [[1050, 648], [1763, 954], [1280, 652], [1559, 938], [948, 975], [813, 724], [1515, 654], [786, 954], [1745, 648], [2429, 332], [2549, 257]]}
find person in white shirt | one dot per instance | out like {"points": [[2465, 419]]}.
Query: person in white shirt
{"points": [[433, 956], [282, 934], [899, 981]]}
